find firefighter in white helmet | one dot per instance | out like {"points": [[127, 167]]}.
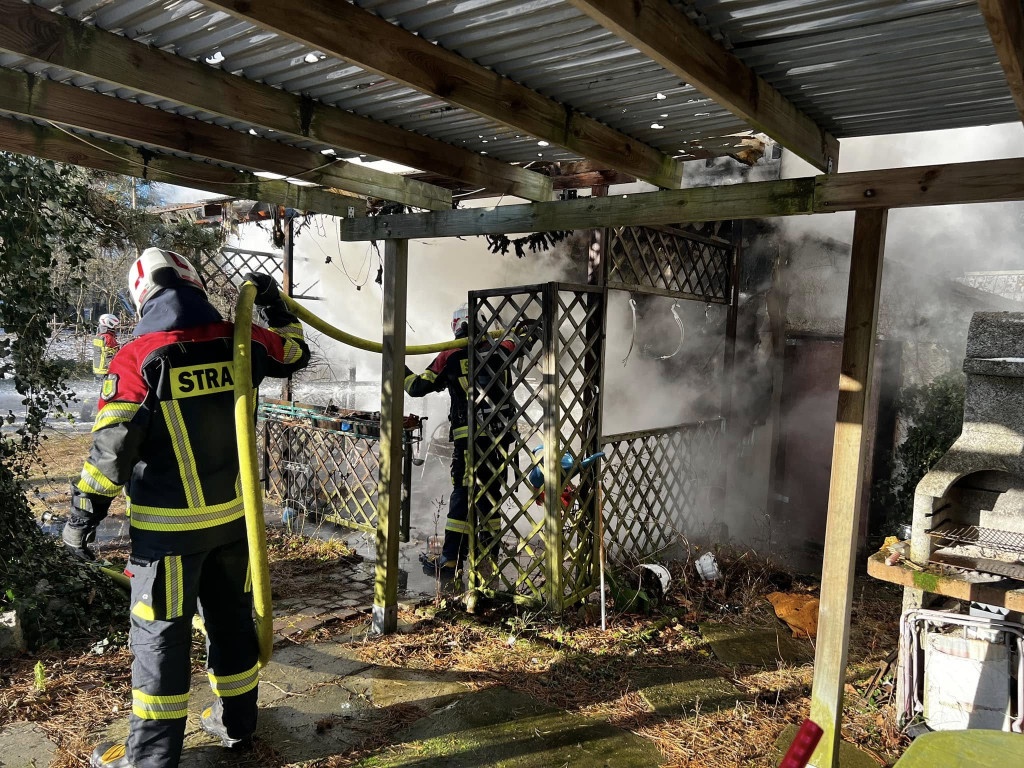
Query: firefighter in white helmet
{"points": [[165, 434], [105, 344]]}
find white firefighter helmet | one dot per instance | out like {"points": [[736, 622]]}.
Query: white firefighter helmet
{"points": [[460, 318], [143, 283], [108, 321]]}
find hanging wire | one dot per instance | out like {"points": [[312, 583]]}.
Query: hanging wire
{"points": [[632, 339], [682, 333]]}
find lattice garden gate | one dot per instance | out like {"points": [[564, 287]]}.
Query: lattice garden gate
{"points": [[537, 545], [540, 543]]}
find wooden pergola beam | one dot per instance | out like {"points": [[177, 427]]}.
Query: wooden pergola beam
{"points": [[53, 144], [986, 181], [348, 32], [660, 31], [73, 107], [1005, 20], [34, 32]]}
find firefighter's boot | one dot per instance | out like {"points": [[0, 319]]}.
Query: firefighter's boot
{"points": [[211, 723], [109, 754]]}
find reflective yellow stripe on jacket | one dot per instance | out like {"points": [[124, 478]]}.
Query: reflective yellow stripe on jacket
{"points": [[94, 481], [292, 351], [183, 452], [115, 413], [187, 519]]}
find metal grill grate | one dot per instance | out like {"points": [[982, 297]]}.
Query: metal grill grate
{"points": [[952, 534], [670, 261], [656, 486]]}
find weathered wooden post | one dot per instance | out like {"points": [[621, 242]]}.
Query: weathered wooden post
{"points": [[848, 455], [552, 453], [288, 283], [392, 396]]}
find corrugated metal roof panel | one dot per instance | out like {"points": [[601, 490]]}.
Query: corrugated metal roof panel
{"points": [[858, 67]]}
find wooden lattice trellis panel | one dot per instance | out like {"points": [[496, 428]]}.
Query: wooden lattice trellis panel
{"points": [[228, 266], [540, 388], [670, 261], [656, 486], [327, 474]]}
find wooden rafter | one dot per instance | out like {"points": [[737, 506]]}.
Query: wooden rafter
{"points": [[66, 105], [979, 182], [373, 43], [57, 145], [660, 31], [34, 32], [1005, 19]]}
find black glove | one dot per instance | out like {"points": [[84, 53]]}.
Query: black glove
{"points": [[267, 291], [77, 539]]}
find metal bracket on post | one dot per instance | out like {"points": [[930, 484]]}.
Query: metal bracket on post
{"points": [[392, 394]]}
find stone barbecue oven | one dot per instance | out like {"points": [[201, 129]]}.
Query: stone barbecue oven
{"points": [[969, 508]]}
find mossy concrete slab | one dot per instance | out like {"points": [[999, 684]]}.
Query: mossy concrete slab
{"points": [[849, 755], [674, 691], [387, 686], [756, 646], [499, 728], [297, 668], [318, 724], [25, 745]]}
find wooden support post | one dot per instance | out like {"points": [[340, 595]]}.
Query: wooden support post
{"points": [[848, 459], [287, 283], [392, 396], [552, 453]]}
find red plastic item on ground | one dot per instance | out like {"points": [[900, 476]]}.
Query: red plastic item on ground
{"points": [[806, 740]]}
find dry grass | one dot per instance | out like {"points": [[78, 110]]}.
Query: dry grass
{"points": [[83, 692], [48, 487], [575, 666]]}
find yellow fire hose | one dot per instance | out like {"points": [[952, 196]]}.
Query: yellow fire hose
{"points": [[365, 344], [252, 496]]}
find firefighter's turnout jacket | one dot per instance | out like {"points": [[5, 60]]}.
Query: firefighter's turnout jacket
{"points": [[450, 371], [165, 432], [104, 347]]}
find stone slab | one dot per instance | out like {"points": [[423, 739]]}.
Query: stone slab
{"points": [[316, 725], [849, 755], [499, 728], [387, 686], [756, 647], [12, 638], [25, 745], [675, 691], [297, 668]]}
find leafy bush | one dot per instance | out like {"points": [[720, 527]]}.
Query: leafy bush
{"points": [[52, 223]]}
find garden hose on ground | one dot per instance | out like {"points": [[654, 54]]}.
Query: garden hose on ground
{"points": [[252, 496]]}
